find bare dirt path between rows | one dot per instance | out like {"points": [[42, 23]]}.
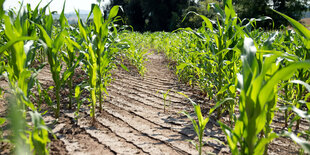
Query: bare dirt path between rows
{"points": [[133, 120]]}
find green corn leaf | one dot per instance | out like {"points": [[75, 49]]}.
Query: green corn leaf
{"points": [[302, 83], [198, 114], [283, 74], [46, 37], [231, 138], [91, 11], [49, 24], [124, 67], [300, 113], [2, 120], [62, 18], [218, 104], [217, 9], [1, 8], [208, 22], [97, 18], [113, 12], [81, 26], [45, 7], [59, 41], [8, 27], [77, 91], [66, 74], [196, 128], [36, 10], [304, 144], [260, 147], [71, 42], [15, 40], [297, 26]]}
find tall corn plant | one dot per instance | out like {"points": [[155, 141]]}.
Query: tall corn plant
{"points": [[218, 54], [258, 99], [18, 72], [304, 36], [21, 79], [302, 41], [54, 43], [99, 52]]}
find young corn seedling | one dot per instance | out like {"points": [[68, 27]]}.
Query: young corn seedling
{"points": [[165, 96], [202, 122], [72, 61], [77, 96]]}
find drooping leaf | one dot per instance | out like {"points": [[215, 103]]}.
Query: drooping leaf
{"points": [[299, 28]]}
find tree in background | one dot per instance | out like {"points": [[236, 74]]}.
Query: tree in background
{"points": [[259, 8], [194, 21], [167, 15], [153, 15]]}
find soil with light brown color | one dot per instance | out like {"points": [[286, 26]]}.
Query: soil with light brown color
{"points": [[135, 120], [305, 22]]}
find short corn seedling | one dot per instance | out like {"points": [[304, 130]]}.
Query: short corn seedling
{"points": [[202, 122]]}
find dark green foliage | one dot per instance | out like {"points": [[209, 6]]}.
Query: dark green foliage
{"points": [[153, 15], [163, 15], [259, 8]]}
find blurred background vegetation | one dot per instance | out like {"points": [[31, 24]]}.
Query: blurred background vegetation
{"points": [[167, 15]]}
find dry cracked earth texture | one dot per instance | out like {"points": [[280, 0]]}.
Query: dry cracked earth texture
{"points": [[136, 120]]}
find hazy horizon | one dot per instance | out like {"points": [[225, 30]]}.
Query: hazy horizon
{"points": [[56, 5]]}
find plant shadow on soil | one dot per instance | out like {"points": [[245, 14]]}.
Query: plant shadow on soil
{"points": [[133, 120]]}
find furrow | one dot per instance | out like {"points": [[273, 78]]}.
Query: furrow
{"points": [[174, 106], [122, 129], [152, 84], [107, 137], [175, 122], [156, 104], [148, 78], [154, 92], [156, 88], [176, 140], [76, 140]]}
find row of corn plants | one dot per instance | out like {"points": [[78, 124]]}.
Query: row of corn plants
{"points": [[17, 57], [229, 60], [236, 64], [33, 39]]}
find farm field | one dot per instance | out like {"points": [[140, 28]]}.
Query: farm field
{"points": [[98, 87], [134, 122]]}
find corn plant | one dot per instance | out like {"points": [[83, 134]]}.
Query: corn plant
{"points": [[26, 138], [21, 78], [53, 46], [303, 40], [77, 96], [257, 99], [305, 145], [136, 51], [99, 53], [1, 8], [165, 97], [199, 127], [72, 61]]}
